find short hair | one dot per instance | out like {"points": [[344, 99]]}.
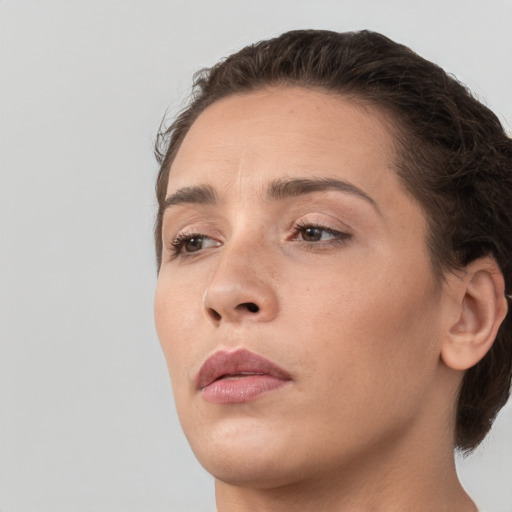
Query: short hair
{"points": [[452, 154]]}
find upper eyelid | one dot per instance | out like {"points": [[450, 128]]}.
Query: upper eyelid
{"points": [[323, 220], [198, 223], [344, 233], [195, 224], [201, 228], [304, 225]]}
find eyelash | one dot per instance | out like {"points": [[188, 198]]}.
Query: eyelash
{"points": [[338, 238]]}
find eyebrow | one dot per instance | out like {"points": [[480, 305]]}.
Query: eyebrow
{"points": [[284, 188], [277, 190], [201, 194]]}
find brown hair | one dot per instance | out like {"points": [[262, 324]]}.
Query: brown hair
{"points": [[454, 158]]}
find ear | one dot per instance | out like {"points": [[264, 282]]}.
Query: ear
{"points": [[481, 306]]}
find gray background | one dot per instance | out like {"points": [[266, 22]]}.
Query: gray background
{"points": [[86, 415]]}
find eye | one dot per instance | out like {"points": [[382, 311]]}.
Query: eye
{"points": [[192, 242], [315, 233]]}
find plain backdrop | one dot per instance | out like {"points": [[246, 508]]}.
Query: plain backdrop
{"points": [[87, 421]]}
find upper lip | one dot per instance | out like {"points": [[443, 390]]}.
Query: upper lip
{"points": [[241, 361]]}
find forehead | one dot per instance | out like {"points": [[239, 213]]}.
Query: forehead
{"points": [[285, 132]]}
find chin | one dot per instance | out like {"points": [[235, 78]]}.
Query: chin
{"points": [[256, 472], [247, 455]]}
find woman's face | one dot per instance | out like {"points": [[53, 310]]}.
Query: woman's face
{"points": [[295, 266]]}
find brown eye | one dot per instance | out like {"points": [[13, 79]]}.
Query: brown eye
{"points": [[193, 244], [186, 243], [317, 235], [312, 234]]}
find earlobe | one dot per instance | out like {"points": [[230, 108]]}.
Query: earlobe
{"points": [[482, 306]]}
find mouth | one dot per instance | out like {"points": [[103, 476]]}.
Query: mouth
{"points": [[237, 377]]}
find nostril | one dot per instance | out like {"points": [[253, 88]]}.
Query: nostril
{"points": [[250, 306], [216, 316]]}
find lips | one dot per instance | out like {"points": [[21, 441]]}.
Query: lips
{"points": [[240, 376]]}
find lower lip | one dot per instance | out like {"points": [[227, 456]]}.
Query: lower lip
{"points": [[237, 390]]}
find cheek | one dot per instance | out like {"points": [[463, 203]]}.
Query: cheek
{"points": [[176, 321], [374, 327]]}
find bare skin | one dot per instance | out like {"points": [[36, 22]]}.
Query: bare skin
{"points": [[342, 297]]}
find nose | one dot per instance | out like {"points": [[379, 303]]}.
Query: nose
{"points": [[242, 289]]}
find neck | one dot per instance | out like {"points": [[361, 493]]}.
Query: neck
{"points": [[401, 476]]}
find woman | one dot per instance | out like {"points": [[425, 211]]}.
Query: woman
{"points": [[332, 240]]}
